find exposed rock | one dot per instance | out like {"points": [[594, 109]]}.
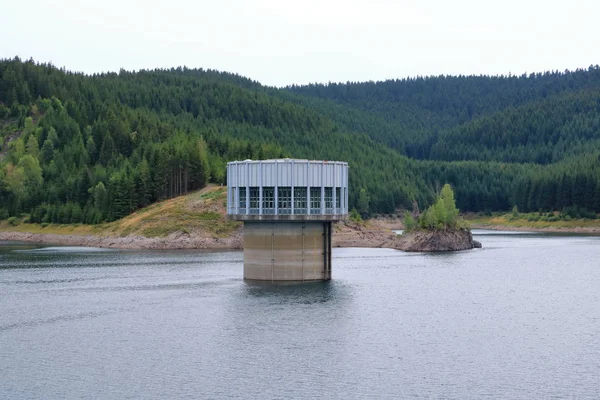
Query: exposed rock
{"points": [[352, 234], [437, 240], [177, 240], [346, 234]]}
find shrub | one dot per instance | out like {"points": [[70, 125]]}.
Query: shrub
{"points": [[355, 216], [577, 212], [13, 221], [409, 222], [443, 214], [515, 212]]}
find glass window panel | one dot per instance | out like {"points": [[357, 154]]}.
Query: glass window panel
{"points": [[284, 199], [328, 197], [242, 197], [254, 200], [315, 200], [299, 198], [268, 199]]}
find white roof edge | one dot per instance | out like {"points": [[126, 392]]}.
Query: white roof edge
{"points": [[290, 160]]}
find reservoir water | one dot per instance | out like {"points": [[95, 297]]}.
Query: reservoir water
{"points": [[519, 318]]}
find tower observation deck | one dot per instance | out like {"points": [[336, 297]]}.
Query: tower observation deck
{"points": [[287, 207]]}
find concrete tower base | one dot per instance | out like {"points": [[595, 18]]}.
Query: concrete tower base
{"points": [[287, 251]]}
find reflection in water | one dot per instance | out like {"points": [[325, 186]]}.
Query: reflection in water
{"points": [[65, 249], [302, 293], [9, 246]]}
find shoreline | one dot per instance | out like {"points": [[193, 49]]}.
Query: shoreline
{"points": [[345, 235], [368, 235], [171, 242], [593, 230]]}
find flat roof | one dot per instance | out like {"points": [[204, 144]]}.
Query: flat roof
{"points": [[288, 160]]}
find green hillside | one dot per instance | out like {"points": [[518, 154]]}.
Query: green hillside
{"points": [[201, 212], [78, 148], [530, 118]]}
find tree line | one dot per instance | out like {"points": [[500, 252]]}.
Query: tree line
{"points": [[78, 148]]}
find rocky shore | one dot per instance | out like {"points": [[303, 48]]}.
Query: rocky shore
{"points": [[436, 240], [177, 240], [346, 234]]}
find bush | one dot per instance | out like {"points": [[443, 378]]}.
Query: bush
{"points": [[443, 214], [13, 221], [515, 212], [355, 216], [409, 222], [577, 212]]}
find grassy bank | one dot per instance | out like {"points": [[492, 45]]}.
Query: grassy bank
{"points": [[533, 221], [201, 212]]}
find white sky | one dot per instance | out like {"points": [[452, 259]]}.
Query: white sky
{"points": [[279, 42]]}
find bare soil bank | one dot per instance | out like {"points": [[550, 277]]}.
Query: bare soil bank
{"points": [[176, 240], [346, 234], [350, 234], [372, 234]]}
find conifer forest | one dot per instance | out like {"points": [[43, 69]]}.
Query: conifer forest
{"points": [[78, 148]]}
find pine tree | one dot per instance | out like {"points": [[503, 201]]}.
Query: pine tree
{"points": [[47, 152], [143, 184], [33, 147]]}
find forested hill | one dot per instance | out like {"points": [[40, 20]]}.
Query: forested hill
{"points": [[94, 148], [530, 118], [78, 148]]}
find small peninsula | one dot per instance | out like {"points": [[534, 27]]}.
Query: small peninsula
{"points": [[437, 229]]}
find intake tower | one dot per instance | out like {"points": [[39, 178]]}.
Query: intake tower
{"points": [[287, 207]]}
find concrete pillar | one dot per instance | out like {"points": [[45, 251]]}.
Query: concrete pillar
{"points": [[287, 251]]}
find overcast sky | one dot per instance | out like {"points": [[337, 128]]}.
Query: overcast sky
{"points": [[279, 42]]}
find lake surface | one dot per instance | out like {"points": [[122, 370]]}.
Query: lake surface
{"points": [[519, 318]]}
